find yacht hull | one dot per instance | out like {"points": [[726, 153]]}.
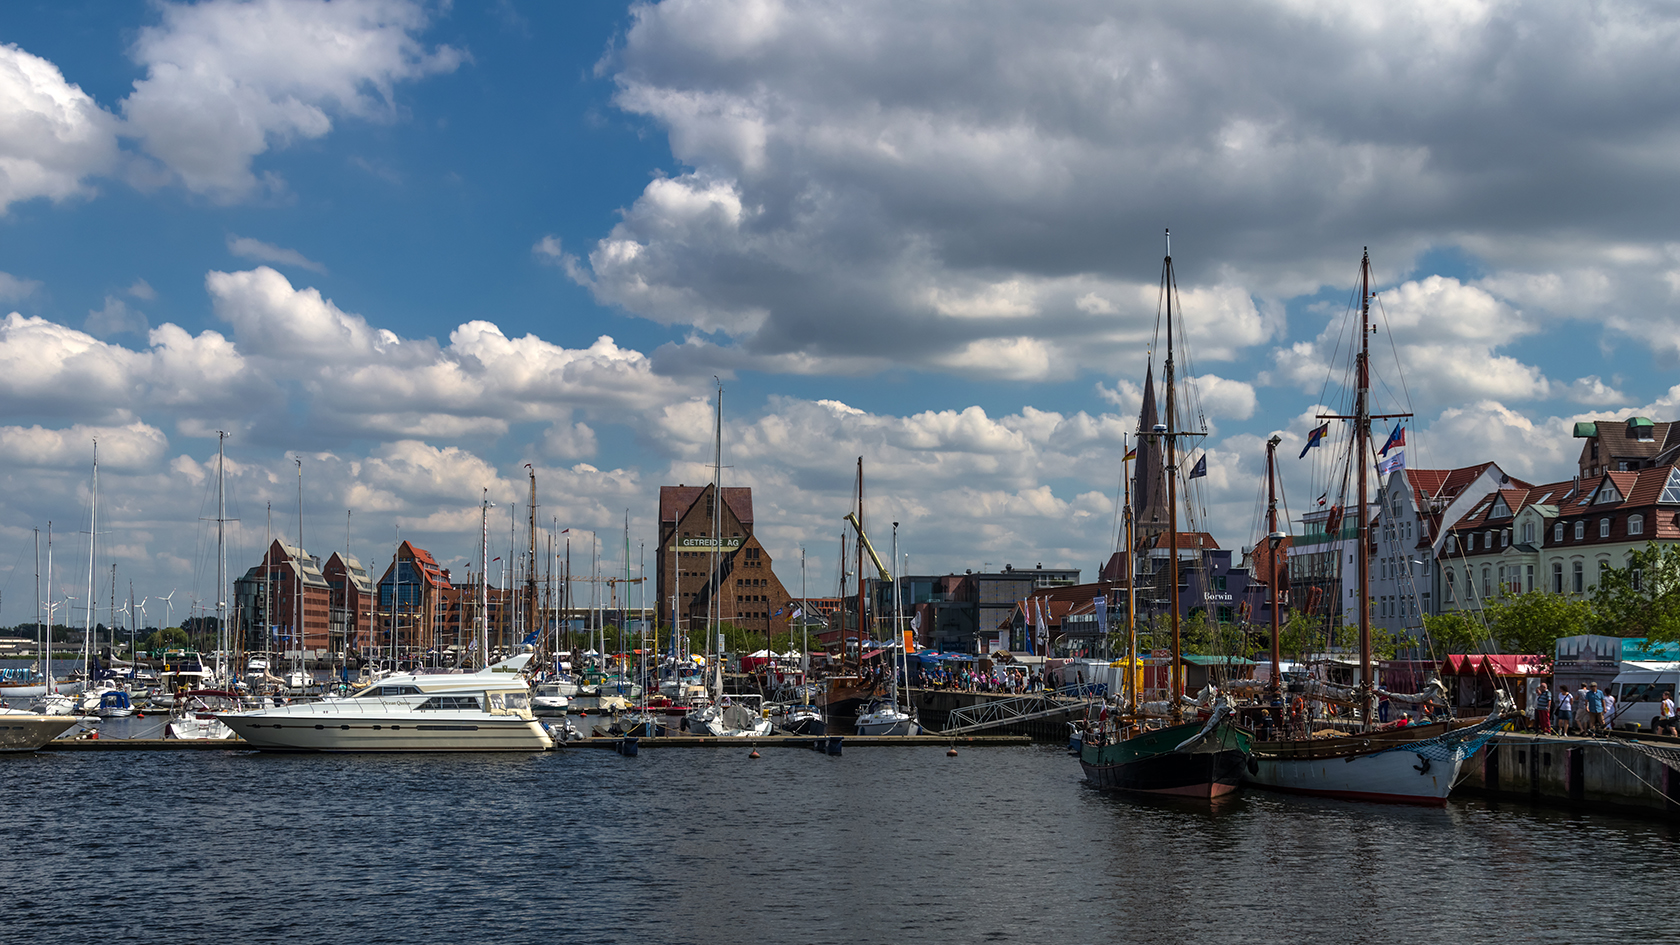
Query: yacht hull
{"points": [[24, 732], [271, 732], [1377, 767]]}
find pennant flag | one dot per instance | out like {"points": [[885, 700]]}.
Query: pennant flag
{"points": [[1200, 469], [1396, 438], [1314, 438], [1397, 461], [1101, 605]]}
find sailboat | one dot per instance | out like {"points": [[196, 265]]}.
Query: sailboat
{"points": [[1185, 758], [887, 716], [1408, 765]]}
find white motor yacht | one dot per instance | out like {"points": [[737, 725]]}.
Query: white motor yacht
{"points": [[27, 731], [489, 710], [886, 718], [193, 715]]}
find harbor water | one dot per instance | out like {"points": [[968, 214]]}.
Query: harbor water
{"points": [[709, 846]]}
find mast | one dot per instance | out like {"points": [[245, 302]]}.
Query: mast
{"points": [[46, 649], [51, 686], [223, 674], [857, 546], [268, 581], [1273, 539], [1132, 668], [481, 635], [297, 600], [93, 536], [715, 604], [1362, 437], [531, 573], [1175, 672]]}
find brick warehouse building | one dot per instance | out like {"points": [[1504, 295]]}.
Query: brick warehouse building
{"points": [[750, 594], [267, 598], [351, 602]]}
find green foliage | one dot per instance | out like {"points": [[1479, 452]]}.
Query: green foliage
{"points": [[1300, 635], [1202, 636], [1642, 599], [1454, 632], [160, 640], [1531, 623]]}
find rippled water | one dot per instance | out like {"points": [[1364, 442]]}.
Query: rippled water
{"points": [[707, 845]]}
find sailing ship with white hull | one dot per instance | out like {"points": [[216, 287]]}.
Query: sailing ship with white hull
{"points": [[1186, 758], [1407, 765]]}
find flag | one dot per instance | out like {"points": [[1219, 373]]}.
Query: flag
{"points": [[1200, 468], [1323, 497], [1314, 438], [1397, 461], [797, 613], [1043, 625], [779, 611], [916, 622], [1131, 454], [1101, 604], [1396, 438], [531, 639]]}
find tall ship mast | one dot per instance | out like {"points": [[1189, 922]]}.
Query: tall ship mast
{"points": [[1134, 751], [1414, 764]]}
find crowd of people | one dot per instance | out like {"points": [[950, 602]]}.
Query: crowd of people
{"points": [[1005, 679], [1590, 711]]}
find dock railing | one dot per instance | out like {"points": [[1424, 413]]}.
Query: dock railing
{"points": [[995, 713]]}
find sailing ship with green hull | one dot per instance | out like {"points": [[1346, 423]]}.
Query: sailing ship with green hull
{"points": [[1196, 758]]}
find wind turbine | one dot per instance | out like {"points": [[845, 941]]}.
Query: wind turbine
{"points": [[169, 608]]}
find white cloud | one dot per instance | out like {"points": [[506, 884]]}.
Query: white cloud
{"points": [[115, 318], [15, 289], [141, 289], [225, 81], [246, 248], [53, 136], [134, 446]]}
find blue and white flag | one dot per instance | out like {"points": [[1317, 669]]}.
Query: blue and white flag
{"points": [[1397, 461], [1200, 469]]}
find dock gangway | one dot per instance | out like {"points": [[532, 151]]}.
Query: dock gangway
{"points": [[995, 713]]}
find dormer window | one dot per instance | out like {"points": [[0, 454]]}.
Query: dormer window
{"points": [[1604, 528], [1636, 524], [1557, 532], [1641, 429], [1606, 493], [1580, 530], [1452, 543]]}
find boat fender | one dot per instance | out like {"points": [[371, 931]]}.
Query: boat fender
{"points": [[1423, 767], [1253, 766]]}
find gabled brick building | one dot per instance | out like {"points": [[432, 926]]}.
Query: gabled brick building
{"points": [[747, 591], [273, 597]]}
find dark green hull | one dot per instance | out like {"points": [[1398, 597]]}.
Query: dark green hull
{"points": [[1151, 762]]}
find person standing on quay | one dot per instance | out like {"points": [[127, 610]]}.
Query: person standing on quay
{"points": [[1581, 710], [1593, 722], [1665, 723], [1565, 709], [1609, 712], [1543, 710]]}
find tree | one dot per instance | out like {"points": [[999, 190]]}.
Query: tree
{"points": [[1300, 635], [1642, 599], [1454, 632], [1531, 623]]}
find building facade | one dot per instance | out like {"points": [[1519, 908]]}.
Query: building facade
{"points": [[735, 582]]}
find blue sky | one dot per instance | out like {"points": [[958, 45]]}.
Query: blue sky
{"points": [[925, 235]]}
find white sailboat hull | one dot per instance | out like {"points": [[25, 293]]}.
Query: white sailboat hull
{"points": [[1394, 777]]}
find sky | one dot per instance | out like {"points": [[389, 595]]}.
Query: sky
{"points": [[417, 246]]}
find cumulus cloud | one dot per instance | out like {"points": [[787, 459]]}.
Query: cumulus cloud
{"points": [[133, 446], [938, 177], [225, 81], [246, 248], [53, 136], [15, 289], [115, 318], [1440, 347]]}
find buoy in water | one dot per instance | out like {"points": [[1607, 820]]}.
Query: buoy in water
{"points": [[951, 754], [754, 753]]}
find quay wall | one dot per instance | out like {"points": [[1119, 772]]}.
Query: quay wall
{"points": [[1591, 773]]}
